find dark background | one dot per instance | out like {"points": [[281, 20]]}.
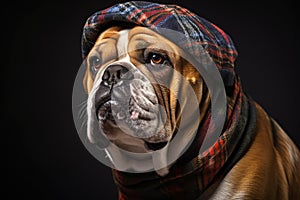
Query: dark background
{"points": [[43, 155]]}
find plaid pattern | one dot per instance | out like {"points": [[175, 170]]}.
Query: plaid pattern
{"points": [[189, 179], [190, 176], [172, 17]]}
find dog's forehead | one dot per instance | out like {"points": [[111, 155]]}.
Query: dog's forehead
{"points": [[139, 33], [110, 33]]}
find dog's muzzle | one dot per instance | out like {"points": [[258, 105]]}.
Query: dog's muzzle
{"points": [[124, 99]]}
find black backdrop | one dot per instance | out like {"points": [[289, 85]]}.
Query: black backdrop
{"points": [[43, 155]]}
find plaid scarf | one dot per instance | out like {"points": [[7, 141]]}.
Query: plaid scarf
{"points": [[193, 173]]}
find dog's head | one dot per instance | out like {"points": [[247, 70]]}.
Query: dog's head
{"points": [[134, 89]]}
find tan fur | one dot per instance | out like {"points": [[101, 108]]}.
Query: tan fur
{"points": [[269, 170]]}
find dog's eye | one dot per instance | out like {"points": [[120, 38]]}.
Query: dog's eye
{"points": [[155, 59], [95, 62]]}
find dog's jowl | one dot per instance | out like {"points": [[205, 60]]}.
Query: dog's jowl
{"points": [[151, 78]]}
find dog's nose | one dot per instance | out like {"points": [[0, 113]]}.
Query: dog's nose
{"points": [[114, 73]]}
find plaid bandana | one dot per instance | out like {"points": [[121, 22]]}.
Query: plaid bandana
{"points": [[192, 174]]}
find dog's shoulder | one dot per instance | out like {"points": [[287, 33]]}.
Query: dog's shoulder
{"points": [[286, 155], [288, 159], [269, 170]]}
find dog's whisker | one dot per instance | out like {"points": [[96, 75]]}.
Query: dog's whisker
{"points": [[86, 139], [84, 124], [82, 110]]}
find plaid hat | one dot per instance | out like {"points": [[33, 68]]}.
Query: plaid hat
{"points": [[195, 31]]}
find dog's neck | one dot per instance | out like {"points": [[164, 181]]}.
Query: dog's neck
{"points": [[190, 176]]}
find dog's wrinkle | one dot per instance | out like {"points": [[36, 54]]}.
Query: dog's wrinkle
{"points": [[165, 98], [177, 115], [121, 93], [150, 96], [143, 84], [102, 95], [166, 131], [143, 102], [99, 104], [142, 113]]}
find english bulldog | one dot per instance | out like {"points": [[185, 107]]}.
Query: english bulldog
{"points": [[121, 82], [139, 115]]}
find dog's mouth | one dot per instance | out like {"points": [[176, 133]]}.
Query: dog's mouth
{"points": [[103, 111], [133, 109], [113, 110], [135, 119]]}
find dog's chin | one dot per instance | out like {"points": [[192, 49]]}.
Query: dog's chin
{"points": [[133, 121]]}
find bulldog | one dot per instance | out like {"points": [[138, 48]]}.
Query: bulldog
{"points": [[139, 84]]}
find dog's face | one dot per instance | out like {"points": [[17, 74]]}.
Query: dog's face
{"points": [[133, 109]]}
